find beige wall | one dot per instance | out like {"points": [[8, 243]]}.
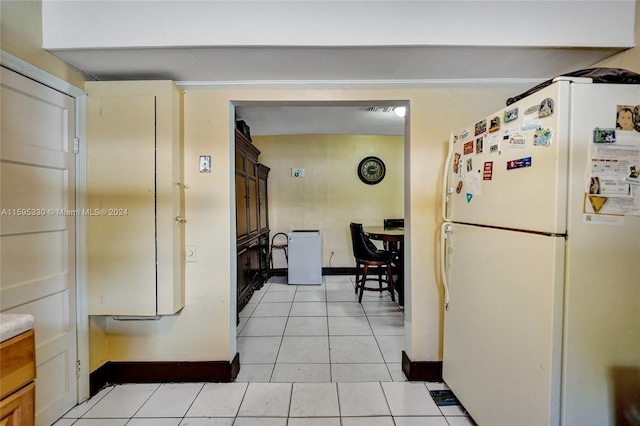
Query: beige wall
{"points": [[21, 36], [330, 195], [204, 329]]}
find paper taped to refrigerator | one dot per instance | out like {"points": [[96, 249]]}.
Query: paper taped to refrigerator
{"points": [[613, 169]]}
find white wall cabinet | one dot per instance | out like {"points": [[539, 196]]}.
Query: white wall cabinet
{"points": [[135, 198]]}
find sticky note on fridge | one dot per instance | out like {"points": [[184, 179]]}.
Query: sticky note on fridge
{"points": [[472, 181]]}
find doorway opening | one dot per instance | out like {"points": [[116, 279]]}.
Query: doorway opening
{"points": [[308, 333]]}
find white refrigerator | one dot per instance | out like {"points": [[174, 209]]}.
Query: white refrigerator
{"points": [[541, 258], [305, 257]]}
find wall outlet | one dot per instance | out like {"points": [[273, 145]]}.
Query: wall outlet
{"points": [[205, 164], [297, 173]]}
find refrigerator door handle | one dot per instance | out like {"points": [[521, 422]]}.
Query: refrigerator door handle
{"points": [[445, 181], [445, 229]]}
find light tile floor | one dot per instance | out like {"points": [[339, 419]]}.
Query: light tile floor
{"points": [[310, 356], [320, 333]]}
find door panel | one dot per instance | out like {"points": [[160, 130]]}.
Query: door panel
{"points": [[502, 338], [37, 231], [253, 206], [121, 248], [241, 206]]}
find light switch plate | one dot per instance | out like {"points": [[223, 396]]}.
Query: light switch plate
{"points": [[297, 173], [205, 164]]}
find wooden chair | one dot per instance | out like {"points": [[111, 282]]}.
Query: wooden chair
{"points": [[368, 256], [279, 246], [392, 223]]}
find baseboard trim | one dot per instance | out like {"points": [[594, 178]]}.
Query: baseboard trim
{"points": [[119, 372], [282, 272], [421, 371]]}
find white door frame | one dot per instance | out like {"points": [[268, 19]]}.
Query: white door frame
{"points": [[80, 96]]}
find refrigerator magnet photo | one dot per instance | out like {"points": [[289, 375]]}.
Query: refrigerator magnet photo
{"points": [[481, 127], [480, 145], [542, 137], [532, 109], [546, 108], [464, 135], [469, 165], [519, 163], [510, 115], [604, 135], [634, 175], [624, 117], [494, 126]]}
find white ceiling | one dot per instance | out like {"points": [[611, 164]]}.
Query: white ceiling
{"points": [[334, 42], [297, 120]]}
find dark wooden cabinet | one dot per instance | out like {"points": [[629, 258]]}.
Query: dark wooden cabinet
{"points": [[252, 219]]}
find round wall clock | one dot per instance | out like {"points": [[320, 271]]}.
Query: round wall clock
{"points": [[371, 170]]}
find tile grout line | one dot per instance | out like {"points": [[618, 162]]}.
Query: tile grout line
{"points": [[326, 310], [194, 400], [244, 394]]}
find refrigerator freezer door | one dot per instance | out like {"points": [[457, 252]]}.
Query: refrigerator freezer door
{"points": [[510, 177], [503, 324]]}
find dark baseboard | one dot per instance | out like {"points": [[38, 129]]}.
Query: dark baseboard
{"points": [[338, 271], [282, 272], [421, 371], [98, 379], [118, 372]]}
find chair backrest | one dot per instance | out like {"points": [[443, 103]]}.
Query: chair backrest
{"points": [[363, 248], [282, 238], [393, 223]]}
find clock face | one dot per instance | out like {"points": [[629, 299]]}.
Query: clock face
{"points": [[371, 170]]}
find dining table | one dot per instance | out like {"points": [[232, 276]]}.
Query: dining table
{"points": [[396, 235]]}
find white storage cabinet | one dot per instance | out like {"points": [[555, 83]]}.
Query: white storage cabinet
{"points": [[135, 196]]}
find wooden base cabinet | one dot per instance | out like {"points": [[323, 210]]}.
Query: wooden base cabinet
{"points": [[17, 375], [252, 220], [18, 408]]}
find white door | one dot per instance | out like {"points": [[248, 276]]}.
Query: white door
{"points": [[37, 231], [503, 324]]}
